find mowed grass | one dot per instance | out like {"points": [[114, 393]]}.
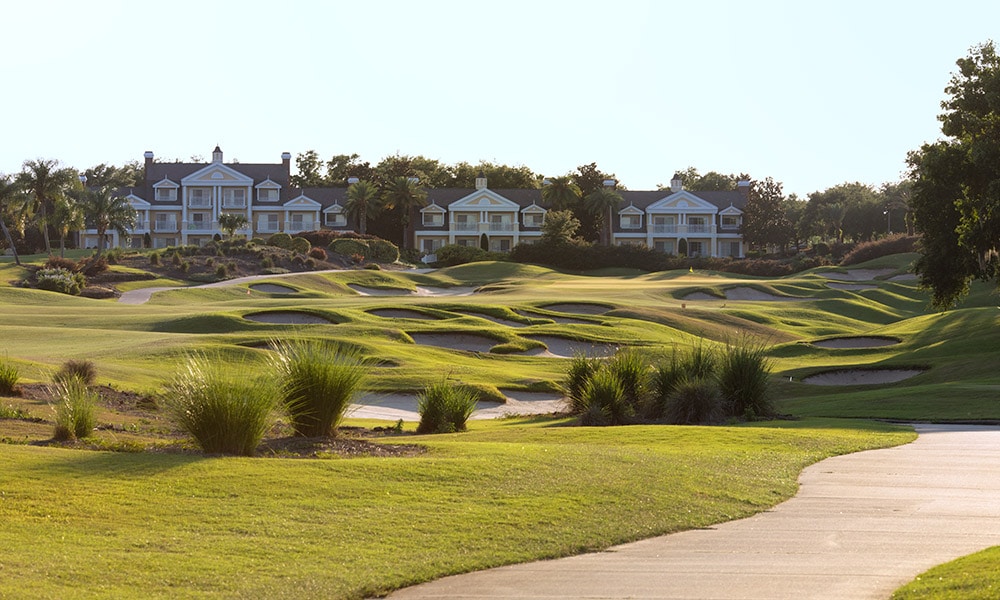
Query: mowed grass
{"points": [[95, 524], [973, 577]]}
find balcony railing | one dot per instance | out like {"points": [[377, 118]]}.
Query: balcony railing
{"points": [[165, 226], [501, 227], [673, 228], [140, 227], [234, 203], [201, 226], [299, 226], [200, 202], [464, 226], [268, 227]]}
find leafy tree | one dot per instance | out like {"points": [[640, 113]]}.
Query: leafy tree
{"points": [[590, 179], [430, 172], [844, 210], [561, 193], [128, 175], [602, 203], [404, 195], [12, 200], [764, 221], [498, 176], [342, 167], [794, 209], [559, 227], [897, 203], [46, 182], [712, 181], [230, 222], [956, 192], [309, 169], [107, 209], [67, 215], [362, 201]]}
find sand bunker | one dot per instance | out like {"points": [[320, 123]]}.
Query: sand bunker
{"points": [[287, 317], [745, 294], [370, 291], [559, 347], [401, 313], [855, 342], [455, 341], [392, 407], [857, 274], [904, 277], [273, 288], [579, 308], [851, 287], [861, 376], [496, 320], [443, 291]]}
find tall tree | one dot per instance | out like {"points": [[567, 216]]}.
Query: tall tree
{"points": [[67, 216], [362, 201], [46, 181], [764, 222], [559, 227], [107, 210], [561, 193], [309, 167], [602, 203], [590, 179], [405, 195], [498, 176], [712, 181], [128, 175], [12, 200], [231, 222], [344, 166], [956, 191]]}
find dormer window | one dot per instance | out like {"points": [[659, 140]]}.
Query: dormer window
{"points": [[166, 194], [267, 195], [730, 222], [433, 219], [533, 219]]}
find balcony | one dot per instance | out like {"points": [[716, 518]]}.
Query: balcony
{"points": [[200, 202], [297, 226], [234, 203], [165, 227], [681, 229], [270, 227], [140, 227], [201, 226], [464, 226], [501, 227]]}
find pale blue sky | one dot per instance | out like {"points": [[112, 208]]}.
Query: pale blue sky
{"points": [[810, 93]]}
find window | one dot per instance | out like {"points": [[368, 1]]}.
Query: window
{"points": [[165, 223], [697, 225], [501, 245], [267, 195], [199, 222], [166, 194], [631, 221], [730, 222], [533, 219], [664, 246], [234, 198], [433, 219], [694, 249], [200, 197], [429, 246], [336, 219], [267, 223]]}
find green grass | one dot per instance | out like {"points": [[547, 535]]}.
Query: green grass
{"points": [[973, 577], [506, 491]]}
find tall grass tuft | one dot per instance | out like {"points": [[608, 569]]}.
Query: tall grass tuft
{"points": [[581, 369], [694, 401], [9, 375], [604, 400], [663, 381], [744, 379], [632, 373], [445, 408], [224, 409], [318, 382], [84, 370], [75, 407]]}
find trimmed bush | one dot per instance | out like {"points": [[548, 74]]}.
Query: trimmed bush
{"points": [[300, 245], [58, 262], [383, 251], [444, 408], [154, 259], [317, 253], [280, 240], [60, 280], [318, 382], [744, 379], [82, 370], [893, 244], [454, 254], [224, 409], [75, 409], [9, 376], [349, 247], [694, 401]]}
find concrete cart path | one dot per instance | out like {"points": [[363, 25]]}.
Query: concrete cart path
{"points": [[861, 525]]}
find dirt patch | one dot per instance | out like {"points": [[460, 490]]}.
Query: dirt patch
{"points": [[861, 376], [455, 341], [347, 444], [855, 342], [287, 317]]}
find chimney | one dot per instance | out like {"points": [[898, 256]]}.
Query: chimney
{"points": [[286, 161], [676, 184], [481, 181], [610, 183], [743, 187], [149, 163], [217, 155]]}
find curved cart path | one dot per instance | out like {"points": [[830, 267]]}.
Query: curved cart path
{"points": [[861, 525]]}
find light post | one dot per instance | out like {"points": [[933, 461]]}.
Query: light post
{"points": [[80, 234], [888, 221]]}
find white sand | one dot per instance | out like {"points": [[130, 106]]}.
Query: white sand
{"points": [[857, 274], [904, 277], [369, 291], [272, 288], [861, 376], [287, 318], [566, 348], [392, 407], [401, 313], [455, 341], [851, 287], [855, 342], [442, 291]]}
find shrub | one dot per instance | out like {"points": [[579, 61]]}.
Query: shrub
{"points": [[154, 259], [700, 363], [60, 280], [893, 244], [581, 369], [93, 265], [318, 383], [744, 378], [221, 407], [663, 382], [444, 408], [383, 251], [58, 262], [82, 370], [694, 401], [175, 259], [300, 245], [280, 240], [75, 409], [222, 270], [317, 253], [632, 373], [9, 375], [373, 267], [603, 400], [454, 254], [349, 247], [267, 262]]}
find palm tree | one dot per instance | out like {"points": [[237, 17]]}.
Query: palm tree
{"points": [[404, 194], [601, 203], [230, 222], [108, 210], [46, 182], [67, 216], [561, 193], [11, 203], [362, 200]]}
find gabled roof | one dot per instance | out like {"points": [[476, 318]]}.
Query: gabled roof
{"points": [[166, 183], [217, 173], [484, 199], [730, 210], [683, 201], [631, 210], [268, 184], [302, 202], [534, 208], [432, 208]]}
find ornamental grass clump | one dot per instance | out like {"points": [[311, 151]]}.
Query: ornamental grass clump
{"points": [[445, 408], [581, 369], [84, 370], [224, 408], [75, 408], [604, 400], [744, 379], [318, 381], [694, 401], [9, 376]]}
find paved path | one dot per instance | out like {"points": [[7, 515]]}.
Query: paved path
{"points": [[860, 526]]}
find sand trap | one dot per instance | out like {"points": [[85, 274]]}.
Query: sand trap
{"points": [[455, 341], [904, 277], [555, 319], [744, 294], [855, 342], [442, 291], [857, 274], [496, 320], [401, 313], [392, 407], [851, 287], [861, 376], [287, 317], [580, 309], [273, 288], [559, 347], [369, 291]]}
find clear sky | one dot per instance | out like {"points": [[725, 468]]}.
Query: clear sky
{"points": [[810, 93]]}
